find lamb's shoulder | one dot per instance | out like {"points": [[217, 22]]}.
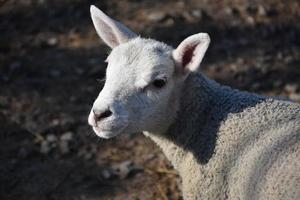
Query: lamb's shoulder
{"points": [[251, 143], [267, 120], [265, 114]]}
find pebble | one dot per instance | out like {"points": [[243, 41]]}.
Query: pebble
{"points": [[51, 138], [123, 169], [85, 153], [52, 41], [169, 22], [250, 21], [261, 11], [187, 16], [55, 122], [67, 136], [295, 97], [156, 16], [45, 148], [290, 88], [197, 13], [288, 59], [64, 147], [107, 174]]}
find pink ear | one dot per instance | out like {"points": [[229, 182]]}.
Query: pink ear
{"points": [[110, 31], [190, 52]]}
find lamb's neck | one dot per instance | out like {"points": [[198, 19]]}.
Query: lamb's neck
{"points": [[189, 136]]}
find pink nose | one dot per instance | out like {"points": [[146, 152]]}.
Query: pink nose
{"points": [[97, 115], [92, 120]]}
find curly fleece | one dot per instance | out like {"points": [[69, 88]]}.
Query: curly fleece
{"points": [[228, 144]]}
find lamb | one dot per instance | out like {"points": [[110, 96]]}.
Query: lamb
{"points": [[225, 143]]}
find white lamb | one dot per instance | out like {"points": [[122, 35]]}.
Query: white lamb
{"points": [[225, 144]]}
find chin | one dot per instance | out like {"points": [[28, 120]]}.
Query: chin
{"points": [[106, 134]]}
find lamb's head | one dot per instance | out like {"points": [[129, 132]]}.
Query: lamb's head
{"points": [[144, 78]]}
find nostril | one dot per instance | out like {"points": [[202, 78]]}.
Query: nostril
{"points": [[102, 115], [105, 114]]}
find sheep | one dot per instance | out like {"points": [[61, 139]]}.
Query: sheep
{"points": [[224, 143]]}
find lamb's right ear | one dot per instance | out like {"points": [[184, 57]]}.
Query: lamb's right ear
{"points": [[189, 54], [110, 31]]}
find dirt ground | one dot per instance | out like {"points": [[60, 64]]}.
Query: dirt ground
{"points": [[51, 58]]}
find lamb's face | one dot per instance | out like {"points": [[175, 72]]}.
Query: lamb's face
{"points": [[138, 91], [143, 79]]}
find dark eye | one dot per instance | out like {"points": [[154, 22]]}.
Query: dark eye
{"points": [[159, 83]]}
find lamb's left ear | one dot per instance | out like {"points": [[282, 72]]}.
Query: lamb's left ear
{"points": [[188, 55], [113, 33]]}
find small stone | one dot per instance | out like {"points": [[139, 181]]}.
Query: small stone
{"points": [[156, 16], [169, 22], [228, 10], [88, 155], [51, 138], [55, 122], [45, 148], [52, 41], [106, 174], [261, 11], [288, 59], [295, 97], [67, 136], [85, 153], [250, 20], [187, 16], [234, 67], [290, 88], [125, 168], [197, 13], [279, 56], [64, 147]]}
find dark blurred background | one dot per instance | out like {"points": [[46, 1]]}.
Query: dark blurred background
{"points": [[50, 58]]}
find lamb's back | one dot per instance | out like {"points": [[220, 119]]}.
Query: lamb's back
{"points": [[259, 151], [228, 144]]}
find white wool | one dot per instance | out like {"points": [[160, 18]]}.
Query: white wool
{"points": [[225, 144]]}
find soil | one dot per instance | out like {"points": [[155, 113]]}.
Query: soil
{"points": [[51, 58]]}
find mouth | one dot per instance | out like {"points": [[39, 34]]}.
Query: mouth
{"points": [[106, 134]]}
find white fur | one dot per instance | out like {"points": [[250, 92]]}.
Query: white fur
{"points": [[225, 144], [133, 65], [198, 41], [112, 32]]}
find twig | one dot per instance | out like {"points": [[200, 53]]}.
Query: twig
{"points": [[166, 171], [162, 193]]}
